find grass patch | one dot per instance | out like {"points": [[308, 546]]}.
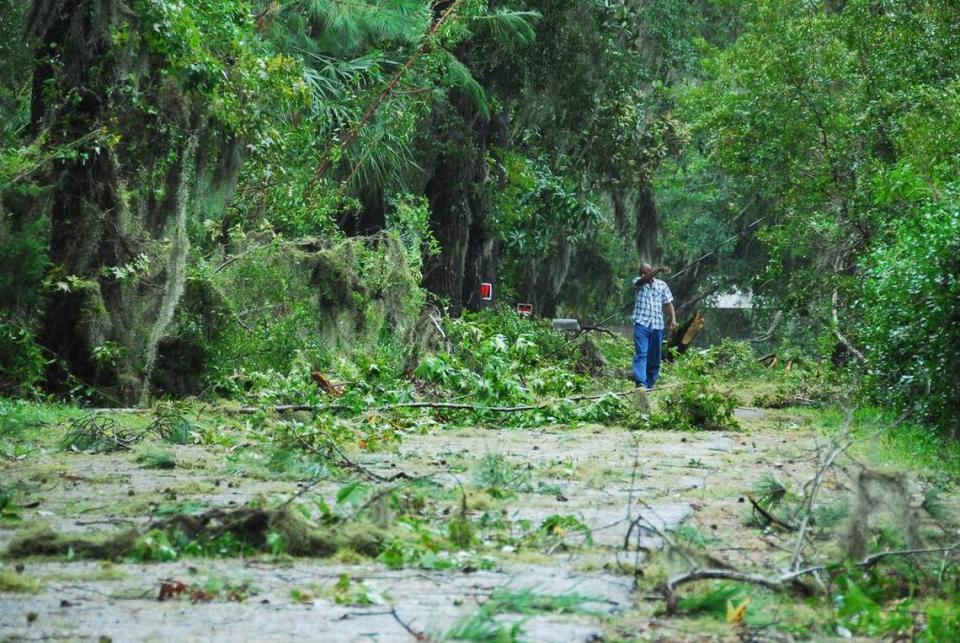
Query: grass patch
{"points": [[482, 624], [154, 458], [904, 446], [214, 533], [14, 582]]}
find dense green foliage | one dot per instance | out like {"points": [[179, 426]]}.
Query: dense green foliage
{"points": [[209, 198], [829, 125], [910, 315]]}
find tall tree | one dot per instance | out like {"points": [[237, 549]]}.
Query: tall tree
{"points": [[148, 100]]}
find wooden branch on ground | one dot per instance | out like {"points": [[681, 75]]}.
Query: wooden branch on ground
{"points": [[417, 636], [769, 516], [344, 462], [782, 582], [498, 409], [456, 406], [815, 487]]}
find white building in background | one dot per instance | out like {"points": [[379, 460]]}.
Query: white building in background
{"points": [[735, 299], [727, 314]]}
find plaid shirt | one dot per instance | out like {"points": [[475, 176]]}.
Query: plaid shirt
{"points": [[648, 307]]}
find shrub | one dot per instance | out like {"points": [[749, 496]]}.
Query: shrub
{"points": [[911, 314], [727, 360], [812, 385], [21, 360], [695, 407]]}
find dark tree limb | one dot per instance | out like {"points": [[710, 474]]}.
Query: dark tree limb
{"points": [[784, 581], [769, 516]]}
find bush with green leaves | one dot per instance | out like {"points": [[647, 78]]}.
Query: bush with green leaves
{"points": [[807, 385], [504, 358], [728, 360], [21, 360], [911, 313], [295, 306], [695, 406]]}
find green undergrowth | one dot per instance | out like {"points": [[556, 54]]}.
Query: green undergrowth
{"points": [[896, 600], [482, 360], [413, 523], [695, 405], [214, 533], [883, 437], [483, 624], [18, 582]]}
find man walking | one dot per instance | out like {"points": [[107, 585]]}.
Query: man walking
{"points": [[652, 299]]}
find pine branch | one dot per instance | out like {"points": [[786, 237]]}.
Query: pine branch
{"points": [[352, 134]]}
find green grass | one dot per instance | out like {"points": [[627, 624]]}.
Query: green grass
{"points": [[151, 457], [14, 582], [482, 624], [907, 445]]}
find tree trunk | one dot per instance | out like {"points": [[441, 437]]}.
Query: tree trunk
{"points": [[543, 279], [459, 206], [118, 233], [647, 219], [450, 221]]}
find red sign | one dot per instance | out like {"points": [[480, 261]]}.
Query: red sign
{"points": [[486, 291], [525, 309]]}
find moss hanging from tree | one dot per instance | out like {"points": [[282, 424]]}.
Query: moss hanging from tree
{"points": [[159, 99]]}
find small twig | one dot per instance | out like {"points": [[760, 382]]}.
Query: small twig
{"points": [[661, 533], [769, 516], [597, 329], [815, 487], [105, 521], [302, 491], [418, 636], [409, 480], [873, 559]]}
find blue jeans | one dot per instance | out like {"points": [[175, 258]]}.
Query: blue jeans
{"points": [[646, 354]]}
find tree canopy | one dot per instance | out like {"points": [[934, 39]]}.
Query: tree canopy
{"points": [[804, 152]]}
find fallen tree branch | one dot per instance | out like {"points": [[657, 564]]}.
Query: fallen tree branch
{"points": [[292, 408], [769, 516], [417, 636], [596, 329], [815, 487], [767, 334], [378, 101], [497, 409], [456, 406], [344, 462], [781, 583]]}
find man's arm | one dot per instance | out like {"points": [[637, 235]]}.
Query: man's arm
{"points": [[671, 316]]}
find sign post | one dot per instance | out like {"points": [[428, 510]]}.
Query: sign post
{"points": [[525, 309]]}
